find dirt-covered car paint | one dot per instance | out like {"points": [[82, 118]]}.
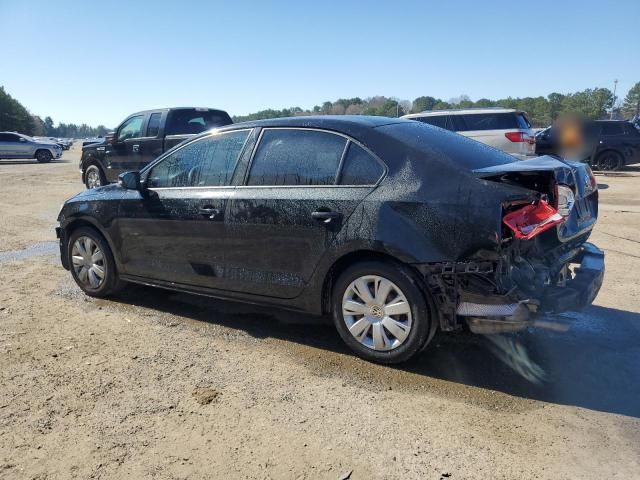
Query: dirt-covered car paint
{"points": [[438, 208]]}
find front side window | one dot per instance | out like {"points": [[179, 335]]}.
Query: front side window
{"points": [[8, 137], [154, 125], [131, 128], [359, 167], [296, 157], [208, 162]]}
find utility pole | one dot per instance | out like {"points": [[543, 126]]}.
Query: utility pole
{"points": [[615, 87]]}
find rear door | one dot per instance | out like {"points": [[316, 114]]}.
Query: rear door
{"points": [[150, 146], [8, 145], [293, 203], [174, 231]]}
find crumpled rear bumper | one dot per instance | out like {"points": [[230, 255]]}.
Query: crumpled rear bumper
{"points": [[582, 289], [496, 313]]}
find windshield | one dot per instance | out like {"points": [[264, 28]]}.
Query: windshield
{"points": [[460, 150]]}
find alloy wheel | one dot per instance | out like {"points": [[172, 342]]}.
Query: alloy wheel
{"points": [[93, 177], [376, 312], [88, 262]]}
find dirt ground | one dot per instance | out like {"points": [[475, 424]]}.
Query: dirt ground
{"points": [[162, 385]]}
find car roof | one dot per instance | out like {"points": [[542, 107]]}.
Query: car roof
{"points": [[330, 122], [168, 109], [462, 111]]}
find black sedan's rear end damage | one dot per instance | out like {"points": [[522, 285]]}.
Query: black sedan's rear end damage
{"points": [[543, 263]]}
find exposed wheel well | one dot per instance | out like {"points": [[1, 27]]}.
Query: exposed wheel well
{"points": [[42, 150], [86, 163]]}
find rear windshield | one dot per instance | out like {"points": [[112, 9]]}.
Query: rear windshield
{"points": [[193, 120], [446, 146], [491, 121]]}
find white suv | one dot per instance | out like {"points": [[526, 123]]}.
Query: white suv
{"points": [[504, 128]]}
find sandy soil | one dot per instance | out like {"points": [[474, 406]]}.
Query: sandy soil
{"points": [[163, 385]]}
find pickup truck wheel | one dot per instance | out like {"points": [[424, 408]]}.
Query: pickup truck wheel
{"points": [[609, 160], [93, 177], [92, 264], [380, 313], [44, 156]]}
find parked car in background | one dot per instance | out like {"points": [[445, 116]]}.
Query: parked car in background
{"points": [[57, 141], [16, 145], [506, 129], [613, 143], [89, 141], [318, 214], [141, 138]]}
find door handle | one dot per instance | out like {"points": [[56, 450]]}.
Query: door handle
{"points": [[209, 212], [324, 216], [135, 148]]}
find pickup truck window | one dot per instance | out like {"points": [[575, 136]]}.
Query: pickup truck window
{"points": [[192, 121], [154, 125], [132, 128], [207, 162]]}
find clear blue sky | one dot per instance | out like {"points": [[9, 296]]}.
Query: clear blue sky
{"points": [[96, 62]]}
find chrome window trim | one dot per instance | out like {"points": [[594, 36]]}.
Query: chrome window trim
{"points": [[338, 172], [210, 133]]}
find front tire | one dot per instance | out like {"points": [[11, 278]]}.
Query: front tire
{"points": [[44, 156], [380, 312], [92, 263], [93, 177]]}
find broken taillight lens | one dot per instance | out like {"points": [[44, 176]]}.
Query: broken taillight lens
{"points": [[565, 200], [531, 220]]}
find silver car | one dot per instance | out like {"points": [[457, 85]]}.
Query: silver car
{"points": [[506, 129], [16, 145]]}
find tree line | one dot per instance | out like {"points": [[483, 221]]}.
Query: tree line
{"points": [[593, 103], [14, 117]]}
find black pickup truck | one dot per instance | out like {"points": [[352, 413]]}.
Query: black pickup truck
{"points": [[142, 137]]}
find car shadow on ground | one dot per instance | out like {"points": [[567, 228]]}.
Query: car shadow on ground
{"points": [[32, 162], [594, 365]]}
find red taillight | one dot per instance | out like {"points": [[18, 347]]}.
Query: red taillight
{"points": [[520, 137], [529, 221]]}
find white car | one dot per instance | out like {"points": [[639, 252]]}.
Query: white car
{"points": [[506, 129]]}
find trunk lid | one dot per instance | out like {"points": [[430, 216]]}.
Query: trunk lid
{"points": [[543, 175]]}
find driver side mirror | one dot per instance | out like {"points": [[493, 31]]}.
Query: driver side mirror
{"points": [[130, 181], [22, 139]]}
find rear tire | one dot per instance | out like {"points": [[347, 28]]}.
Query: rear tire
{"points": [[93, 177], [609, 161], [44, 156], [92, 263], [385, 330]]}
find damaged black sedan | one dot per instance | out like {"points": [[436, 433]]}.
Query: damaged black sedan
{"points": [[395, 228]]}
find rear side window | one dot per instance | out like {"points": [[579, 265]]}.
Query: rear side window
{"points": [[436, 120], [190, 121], [296, 157], [154, 125], [359, 167], [208, 162], [611, 128], [489, 121]]}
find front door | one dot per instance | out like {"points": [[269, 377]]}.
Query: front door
{"points": [[174, 231], [291, 207], [123, 153]]}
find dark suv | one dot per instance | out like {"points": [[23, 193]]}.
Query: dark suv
{"points": [[394, 227], [611, 144]]}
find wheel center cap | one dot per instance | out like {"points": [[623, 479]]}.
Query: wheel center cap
{"points": [[376, 311]]}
